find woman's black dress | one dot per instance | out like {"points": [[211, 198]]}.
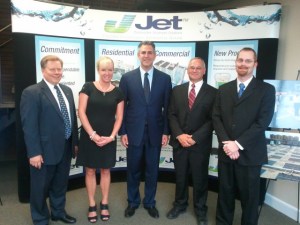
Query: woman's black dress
{"points": [[101, 110]]}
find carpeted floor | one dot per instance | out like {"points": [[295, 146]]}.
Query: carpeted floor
{"points": [[12, 212]]}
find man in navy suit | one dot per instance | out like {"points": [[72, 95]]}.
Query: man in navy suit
{"points": [[49, 146], [191, 139], [145, 126], [242, 112]]}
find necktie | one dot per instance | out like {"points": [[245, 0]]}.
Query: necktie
{"points": [[192, 96], [64, 112], [146, 87], [242, 89]]}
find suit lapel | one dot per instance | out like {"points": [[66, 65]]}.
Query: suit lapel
{"points": [[138, 83], [248, 91], [185, 95], [45, 89], [200, 95], [233, 90], [153, 84]]}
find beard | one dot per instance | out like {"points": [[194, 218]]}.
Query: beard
{"points": [[244, 71]]}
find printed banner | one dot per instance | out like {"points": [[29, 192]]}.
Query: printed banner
{"points": [[81, 22], [171, 58], [221, 60], [71, 51]]}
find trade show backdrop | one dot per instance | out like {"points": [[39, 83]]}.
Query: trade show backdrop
{"points": [[80, 35]]}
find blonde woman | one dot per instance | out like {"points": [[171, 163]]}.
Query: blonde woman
{"points": [[101, 107]]}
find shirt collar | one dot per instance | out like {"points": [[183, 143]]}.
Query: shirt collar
{"points": [[150, 72], [197, 84], [51, 86], [246, 83]]}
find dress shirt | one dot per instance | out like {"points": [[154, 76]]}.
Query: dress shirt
{"points": [[54, 92], [246, 83], [198, 86]]}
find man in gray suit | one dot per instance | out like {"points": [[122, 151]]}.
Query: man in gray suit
{"points": [[242, 112], [50, 131]]}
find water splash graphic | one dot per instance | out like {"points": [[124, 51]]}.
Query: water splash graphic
{"points": [[241, 20], [217, 18], [56, 15]]}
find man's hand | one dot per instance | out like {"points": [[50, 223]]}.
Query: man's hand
{"points": [[165, 140], [75, 151], [191, 140], [124, 140], [36, 161], [185, 140], [231, 149]]}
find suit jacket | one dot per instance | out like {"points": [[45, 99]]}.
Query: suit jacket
{"points": [[137, 112], [43, 123], [244, 120], [197, 121]]}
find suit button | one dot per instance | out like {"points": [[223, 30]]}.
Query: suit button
{"points": [[233, 125]]}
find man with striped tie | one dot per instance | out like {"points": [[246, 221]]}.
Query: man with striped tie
{"points": [[190, 122]]}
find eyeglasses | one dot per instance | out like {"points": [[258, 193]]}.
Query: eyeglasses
{"points": [[195, 68], [247, 61], [53, 70]]}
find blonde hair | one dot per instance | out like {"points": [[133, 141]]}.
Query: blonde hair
{"points": [[103, 58]]}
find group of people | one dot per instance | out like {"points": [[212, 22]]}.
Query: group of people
{"points": [[145, 111]]}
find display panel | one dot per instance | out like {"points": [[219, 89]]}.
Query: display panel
{"points": [[287, 105]]}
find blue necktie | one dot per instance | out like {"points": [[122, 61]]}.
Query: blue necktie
{"points": [[146, 87], [64, 112], [242, 89]]}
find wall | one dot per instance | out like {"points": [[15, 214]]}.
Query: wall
{"points": [[282, 195], [6, 58]]}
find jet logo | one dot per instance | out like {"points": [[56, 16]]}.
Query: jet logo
{"points": [[110, 25], [121, 159], [160, 24], [157, 24]]}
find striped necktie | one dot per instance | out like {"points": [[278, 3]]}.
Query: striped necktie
{"points": [[192, 96]]}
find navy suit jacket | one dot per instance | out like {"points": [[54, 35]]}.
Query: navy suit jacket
{"points": [[43, 123], [244, 120], [197, 121], [137, 112]]}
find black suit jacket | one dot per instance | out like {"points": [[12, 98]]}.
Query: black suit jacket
{"points": [[197, 121], [43, 123], [244, 120]]}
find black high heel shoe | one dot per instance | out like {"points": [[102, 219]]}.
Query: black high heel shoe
{"points": [[102, 216], [93, 219]]}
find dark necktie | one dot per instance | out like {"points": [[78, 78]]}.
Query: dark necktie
{"points": [[146, 87], [192, 96], [242, 89], [64, 112]]}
